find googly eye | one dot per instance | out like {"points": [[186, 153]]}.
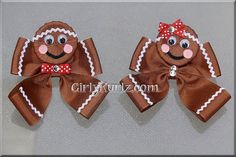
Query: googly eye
{"points": [[49, 39], [172, 40], [62, 39], [184, 43]]}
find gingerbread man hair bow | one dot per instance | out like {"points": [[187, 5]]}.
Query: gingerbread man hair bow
{"points": [[54, 51], [179, 57]]}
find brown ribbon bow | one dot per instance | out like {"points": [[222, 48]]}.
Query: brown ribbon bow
{"points": [[187, 61], [55, 52]]}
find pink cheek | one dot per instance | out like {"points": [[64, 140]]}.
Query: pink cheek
{"points": [[188, 53], [68, 48], [165, 48], [43, 49]]}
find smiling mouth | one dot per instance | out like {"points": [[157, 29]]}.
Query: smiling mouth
{"points": [[55, 56], [174, 57]]}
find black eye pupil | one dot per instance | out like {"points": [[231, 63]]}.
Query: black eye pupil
{"points": [[184, 45], [49, 41], [171, 42], [62, 40]]}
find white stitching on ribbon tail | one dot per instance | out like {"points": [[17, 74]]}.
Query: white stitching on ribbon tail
{"points": [[22, 54], [62, 30], [90, 97], [29, 103], [140, 90], [209, 100], [142, 55], [203, 52], [89, 58]]}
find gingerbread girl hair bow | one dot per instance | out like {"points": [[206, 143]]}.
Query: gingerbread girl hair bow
{"points": [[176, 54], [177, 28], [55, 51]]}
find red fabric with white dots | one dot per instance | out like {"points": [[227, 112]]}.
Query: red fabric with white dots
{"points": [[178, 29], [52, 68]]}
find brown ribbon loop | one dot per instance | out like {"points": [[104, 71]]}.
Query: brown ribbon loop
{"points": [[83, 93], [141, 98]]}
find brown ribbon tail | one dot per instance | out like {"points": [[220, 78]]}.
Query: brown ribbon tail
{"points": [[83, 93], [201, 96], [32, 96], [147, 89]]}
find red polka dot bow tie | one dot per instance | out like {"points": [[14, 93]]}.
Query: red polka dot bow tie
{"points": [[166, 30], [53, 68]]}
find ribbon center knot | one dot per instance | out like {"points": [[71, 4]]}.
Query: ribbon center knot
{"points": [[173, 69], [171, 29]]}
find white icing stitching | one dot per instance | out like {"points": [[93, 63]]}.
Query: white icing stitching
{"points": [[203, 52], [22, 56], [209, 100], [89, 58], [54, 30], [140, 90], [90, 97], [36, 38], [142, 55], [158, 39], [29, 103]]}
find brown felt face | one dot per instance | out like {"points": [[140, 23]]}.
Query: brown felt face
{"points": [[56, 47], [177, 50]]}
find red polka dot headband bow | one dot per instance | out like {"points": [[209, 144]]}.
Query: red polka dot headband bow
{"points": [[166, 30]]}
